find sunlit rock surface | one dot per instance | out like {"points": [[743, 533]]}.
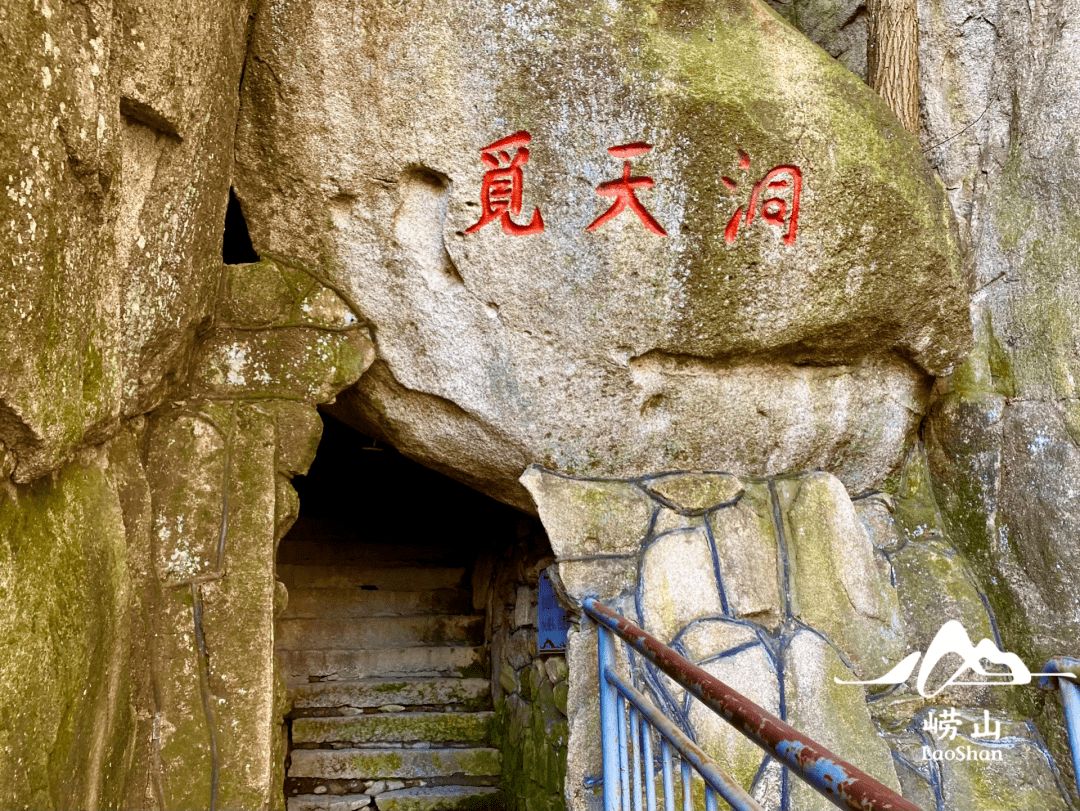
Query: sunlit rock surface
{"points": [[525, 325]]}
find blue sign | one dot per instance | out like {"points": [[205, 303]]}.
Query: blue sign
{"points": [[552, 619]]}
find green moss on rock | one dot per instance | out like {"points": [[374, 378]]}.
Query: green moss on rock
{"points": [[65, 713]]}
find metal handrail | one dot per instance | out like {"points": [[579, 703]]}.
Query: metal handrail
{"points": [[838, 781], [616, 774], [1070, 696]]}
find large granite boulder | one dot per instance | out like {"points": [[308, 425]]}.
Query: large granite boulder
{"points": [[115, 156], [607, 239]]}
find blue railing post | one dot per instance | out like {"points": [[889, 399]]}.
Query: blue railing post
{"points": [[609, 721], [1070, 696]]}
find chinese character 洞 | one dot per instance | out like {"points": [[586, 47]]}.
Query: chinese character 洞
{"points": [[987, 731], [503, 184], [775, 198], [624, 190], [944, 726]]}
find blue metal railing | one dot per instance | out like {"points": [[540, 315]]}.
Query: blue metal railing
{"points": [[1070, 696], [616, 697], [623, 710]]}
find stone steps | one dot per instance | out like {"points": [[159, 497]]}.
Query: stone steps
{"points": [[348, 633], [329, 802], [395, 727], [354, 696], [327, 602], [395, 763], [381, 652], [434, 798], [302, 666], [359, 576], [442, 798]]}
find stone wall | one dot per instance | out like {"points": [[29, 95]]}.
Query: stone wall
{"points": [[779, 587], [529, 689], [141, 574]]}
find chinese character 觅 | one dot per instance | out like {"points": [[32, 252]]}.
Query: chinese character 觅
{"points": [[775, 198], [624, 190], [503, 184], [986, 731]]}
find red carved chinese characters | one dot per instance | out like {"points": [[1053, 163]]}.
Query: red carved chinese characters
{"points": [[775, 197], [624, 190], [501, 191]]}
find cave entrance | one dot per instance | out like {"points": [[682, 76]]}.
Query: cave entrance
{"points": [[404, 585]]}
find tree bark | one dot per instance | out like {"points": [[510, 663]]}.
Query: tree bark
{"points": [[892, 57]]}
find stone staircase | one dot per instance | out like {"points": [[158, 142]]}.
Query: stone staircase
{"points": [[382, 652]]}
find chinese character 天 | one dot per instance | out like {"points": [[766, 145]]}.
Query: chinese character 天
{"points": [[624, 190]]}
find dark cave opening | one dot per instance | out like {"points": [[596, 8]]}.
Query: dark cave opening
{"points": [[236, 247]]}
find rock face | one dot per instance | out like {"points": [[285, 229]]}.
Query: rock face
{"points": [[115, 155], [1000, 97], [621, 285], [780, 587], [550, 319]]}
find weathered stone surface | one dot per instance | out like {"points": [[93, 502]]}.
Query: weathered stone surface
{"points": [[707, 638], [289, 363], [607, 576], [1000, 92], [280, 332], [64, 627], [237, 618], [833, 714], [299, 430], [746, 548], [328, 802], [391, 662], [374, 632], [589, 518], [367, 763], [678, 583], [746, 671], [696, 493], [464, 693], [441, 798], [398, 727], [618, 350], [845, 608], [837, 584], [982, 774], [187, 509], [115, 158], [838, 26]]}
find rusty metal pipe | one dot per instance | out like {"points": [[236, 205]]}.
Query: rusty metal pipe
{"points": [[841, 783]]}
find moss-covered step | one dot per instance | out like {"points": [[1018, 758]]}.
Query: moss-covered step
{"points": [[304, 666], [468, 694], [380, 632], [395, 727], [328, 802], [371, 577], [374, 764], [315, 602], [443, 798]]}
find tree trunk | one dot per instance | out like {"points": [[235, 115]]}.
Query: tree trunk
{"points": [[892, 56]]}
